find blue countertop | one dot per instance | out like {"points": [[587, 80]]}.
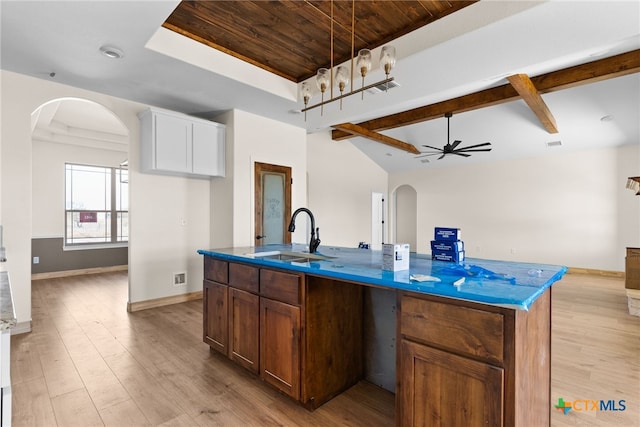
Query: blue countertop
{"points": [[502, 283]]}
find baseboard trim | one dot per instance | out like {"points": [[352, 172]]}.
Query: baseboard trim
{"points": [[21, 328], [83, 271], [593, 272], [160, 302]]}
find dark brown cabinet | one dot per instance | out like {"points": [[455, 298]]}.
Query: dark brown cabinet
{"points": [[215, 297], [301, 334], [244, 331], [465, 364], [441, 388], [280, 346]]}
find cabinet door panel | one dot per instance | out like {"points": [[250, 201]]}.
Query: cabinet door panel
{"points": [[173, 143], [280, 346], [244, 328], [208, 149], [443, 389], [216, 315]]}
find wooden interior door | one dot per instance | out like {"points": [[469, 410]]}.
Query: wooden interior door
{"points": [[272, 203]]}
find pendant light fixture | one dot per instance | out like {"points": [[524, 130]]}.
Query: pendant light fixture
{"points": [[326, 79]]}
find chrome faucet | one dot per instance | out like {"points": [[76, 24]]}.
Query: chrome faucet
{"points": [[315, 232]]}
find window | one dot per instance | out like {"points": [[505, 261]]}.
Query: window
{"points": [[96, 205]]}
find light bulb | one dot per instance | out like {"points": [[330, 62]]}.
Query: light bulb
{"points": [[387, 59], [305, 91], [322, 79], [364, 62]]}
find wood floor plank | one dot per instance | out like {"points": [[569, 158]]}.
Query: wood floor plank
{"points": [[89, 362], [76, 409], [31, 404]]}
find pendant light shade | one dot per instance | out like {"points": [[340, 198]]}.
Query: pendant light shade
{"points": [[363, 63], [322, 79], [305, 92], [387, 59]]}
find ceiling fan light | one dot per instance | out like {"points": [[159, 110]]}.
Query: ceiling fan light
{"points": [[387, 59]]}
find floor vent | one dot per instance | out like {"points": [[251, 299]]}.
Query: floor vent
{"points": [[179, 279]]}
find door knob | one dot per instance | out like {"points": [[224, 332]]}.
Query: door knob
{"points": [[258, 237]]}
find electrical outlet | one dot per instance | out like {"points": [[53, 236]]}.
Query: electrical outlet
{"points": [[36, 260], [179, 279]]}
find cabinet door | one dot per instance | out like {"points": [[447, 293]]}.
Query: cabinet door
{"points": [[280, 346], [172, 143], [208, 149], [244, 328], [438, 388], [216, 315]]}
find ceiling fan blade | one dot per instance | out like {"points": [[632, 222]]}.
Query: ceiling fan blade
{"points": [[484, 144], [442, 157], [426, 155], [433, 148], [455, 144], [466, 150], [457, 153]]}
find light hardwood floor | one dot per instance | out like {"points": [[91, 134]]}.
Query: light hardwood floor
{"points": [[89, 362]]}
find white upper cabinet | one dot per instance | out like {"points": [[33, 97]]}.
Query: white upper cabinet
{"points": [[177, 144]]}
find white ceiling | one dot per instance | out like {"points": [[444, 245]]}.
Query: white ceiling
{"points": [[470, 50]]}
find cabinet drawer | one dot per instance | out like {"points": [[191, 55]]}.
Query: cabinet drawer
{"points": [[463, 330], [280, 286], [216, 270], [244, 277]]}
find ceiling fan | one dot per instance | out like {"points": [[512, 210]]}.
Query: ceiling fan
{"points": [[450, 148]]}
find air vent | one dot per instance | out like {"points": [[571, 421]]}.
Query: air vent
{"points": [[554, 143], [382, 87]]}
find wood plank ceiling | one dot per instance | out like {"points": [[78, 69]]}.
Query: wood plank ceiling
{"points": [[293, 38]]}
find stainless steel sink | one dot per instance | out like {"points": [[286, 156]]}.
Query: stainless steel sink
{"points": [[289, 256]]}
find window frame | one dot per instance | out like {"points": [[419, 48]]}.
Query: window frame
{"points": [[114, 213]]}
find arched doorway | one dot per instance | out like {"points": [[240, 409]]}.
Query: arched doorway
{"points": [[406, 216], [74, 131]]}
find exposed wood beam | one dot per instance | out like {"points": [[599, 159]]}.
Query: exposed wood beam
{"points": [[526, 89], [607, 68], [378, 137]]}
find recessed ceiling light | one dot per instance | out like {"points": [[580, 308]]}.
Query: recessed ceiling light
{"points": [[424, 161], [554, 143], [111, 52], [607, 118], [389, 154]]}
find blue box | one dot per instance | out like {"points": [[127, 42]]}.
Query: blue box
{"points": [[450, 256], [449, 234], [447, 245]]}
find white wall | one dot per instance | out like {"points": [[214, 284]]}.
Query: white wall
{"points": [[258, 139], [570, 208], [341, 180], [48, 195], [159, 244]]}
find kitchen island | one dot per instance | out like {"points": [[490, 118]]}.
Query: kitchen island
{"points": [[473, 340]]}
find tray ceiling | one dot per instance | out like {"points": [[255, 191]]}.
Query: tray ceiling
{"points": [[293, 38]]}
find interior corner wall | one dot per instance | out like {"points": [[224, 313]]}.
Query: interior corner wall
{"points": [[341, 182], [258, 139], [159, 243], [568, 208], [221, 199]]}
